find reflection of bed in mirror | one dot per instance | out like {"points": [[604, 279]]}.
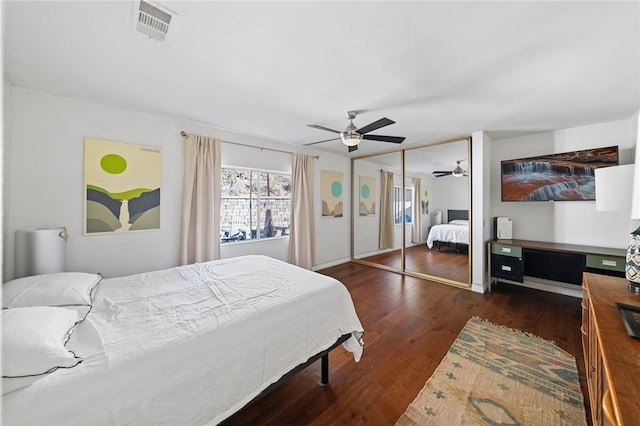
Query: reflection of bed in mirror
{"points": [[455, 231]]}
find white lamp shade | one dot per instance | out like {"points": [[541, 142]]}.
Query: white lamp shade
{"points": [[614, 188]]}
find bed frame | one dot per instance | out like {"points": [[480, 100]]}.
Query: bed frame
{"points": [[324, 370]]}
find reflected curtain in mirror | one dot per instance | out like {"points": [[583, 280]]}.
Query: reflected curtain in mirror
{"points": [[386, 210], [416, 224]]}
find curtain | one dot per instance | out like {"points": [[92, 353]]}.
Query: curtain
{"points": [[416, 224], [200, 227], [386, 210], [302, 242]]}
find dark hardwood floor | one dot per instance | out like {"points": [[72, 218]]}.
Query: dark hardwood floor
{"points": [[449, 262], [409, 325]]}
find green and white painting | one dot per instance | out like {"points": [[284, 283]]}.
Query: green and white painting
{"points": [[122, 186]]}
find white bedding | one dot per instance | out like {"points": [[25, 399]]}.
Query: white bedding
{"points": [[456, 231], [189, 345]]}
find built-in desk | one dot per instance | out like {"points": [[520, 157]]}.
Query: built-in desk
{"points": [[513, 260]]}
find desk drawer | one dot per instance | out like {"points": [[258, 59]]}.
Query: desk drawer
{"points": [[506, 250], [608, 263], [507, 267]]}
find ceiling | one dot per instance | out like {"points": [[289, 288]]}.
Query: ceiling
{"points": [[438, 69]]}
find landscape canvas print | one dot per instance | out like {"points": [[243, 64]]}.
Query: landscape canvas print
{"points": [[122, 186], [555, 177]]}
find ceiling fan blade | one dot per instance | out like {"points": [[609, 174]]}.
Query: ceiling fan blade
{"points": [[375, 125], [315, 126], [441, 173], [326, 140], [392, 139], [353, 148]]}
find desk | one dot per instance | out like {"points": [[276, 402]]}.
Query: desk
{"points": [[512, 260], [612, 358]]}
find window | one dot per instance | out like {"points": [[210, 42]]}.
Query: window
{"points": [[400, 204], [254, 205]]}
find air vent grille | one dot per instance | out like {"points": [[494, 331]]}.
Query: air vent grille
{"points": [[153, 21]]}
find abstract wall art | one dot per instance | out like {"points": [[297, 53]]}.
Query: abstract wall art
{"points": [[367, 196], [122, 184], [331, 189]]}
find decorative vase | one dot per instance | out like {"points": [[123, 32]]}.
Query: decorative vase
{"points": [[632, 268]]}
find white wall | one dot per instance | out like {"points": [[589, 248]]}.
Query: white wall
{"points": [[44, 182], [333, 235], [481, 148], [5, 166], [449, 193], [568, 222]]}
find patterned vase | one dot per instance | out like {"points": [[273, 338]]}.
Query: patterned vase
{"points": [[633, 261]]}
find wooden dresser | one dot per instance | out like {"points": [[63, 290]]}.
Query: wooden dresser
{"points": [[612, 358]]}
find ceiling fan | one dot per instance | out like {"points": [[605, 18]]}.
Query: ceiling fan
{"points": [[457, 172], [352, 136]]}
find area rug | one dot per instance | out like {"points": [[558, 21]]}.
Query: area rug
{"points": [[498, 376]]}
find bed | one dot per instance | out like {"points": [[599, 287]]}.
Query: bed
{"points": [[456, 230], [186, 345]]}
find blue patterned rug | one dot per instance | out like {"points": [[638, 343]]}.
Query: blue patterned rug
{"points": [[493, 375]]}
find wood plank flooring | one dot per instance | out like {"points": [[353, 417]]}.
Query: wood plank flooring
{"points": [[409, 325], [448, 262]]}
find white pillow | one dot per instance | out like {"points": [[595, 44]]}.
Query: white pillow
{"points": [[58, 289], [34, 338], [459, 222]]}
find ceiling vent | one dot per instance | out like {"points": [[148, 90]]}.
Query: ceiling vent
{"points": [[154, 21]]}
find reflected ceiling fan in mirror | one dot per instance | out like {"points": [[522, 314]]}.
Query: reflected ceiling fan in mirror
{"points": [[457, 172], [352, 136]]}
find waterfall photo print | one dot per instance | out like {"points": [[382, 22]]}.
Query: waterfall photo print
{"points": [[555, 177]]}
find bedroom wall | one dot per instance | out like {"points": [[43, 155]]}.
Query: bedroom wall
{"points": [[44, 186], [449, 193], [5, 166], [481, 149], [570, 222]]}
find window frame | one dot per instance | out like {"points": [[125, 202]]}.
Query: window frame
{"points": [[397, 204]]}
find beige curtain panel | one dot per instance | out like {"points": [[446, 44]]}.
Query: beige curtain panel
{"points": [[302, 241], [200, 227], [416, 220], [386, 210]]}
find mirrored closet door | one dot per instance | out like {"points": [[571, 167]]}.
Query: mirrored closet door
{"points": [[411, 211]]}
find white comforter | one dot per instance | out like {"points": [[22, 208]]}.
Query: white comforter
{"points": [[189, 345], [453, 232]]}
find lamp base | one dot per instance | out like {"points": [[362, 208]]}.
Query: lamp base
{"points": [[632, 267]]}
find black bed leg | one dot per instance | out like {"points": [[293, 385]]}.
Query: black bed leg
{"points": [[324, 373]]}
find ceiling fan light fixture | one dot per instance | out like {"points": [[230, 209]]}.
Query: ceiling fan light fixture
{"points": [[350, 138]]}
